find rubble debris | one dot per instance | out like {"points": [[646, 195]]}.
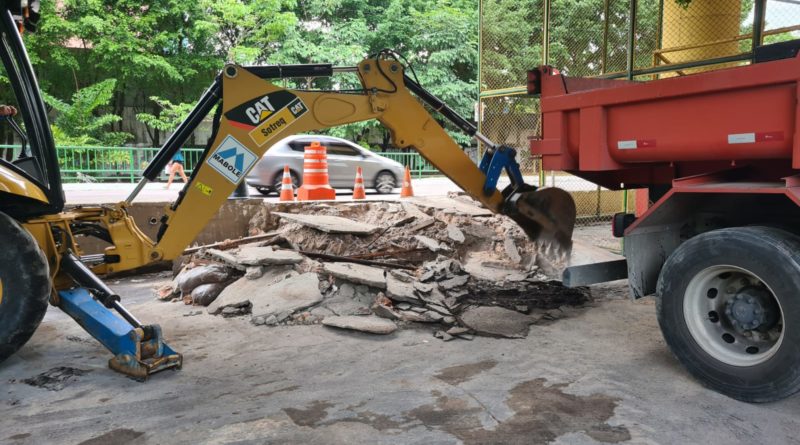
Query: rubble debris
{"points": [[496, 321], [330, 224], [399, 290], [443, 335], [229, 244], [452, 283], [455, 234], [358, 273], [458, 330], [346, 300], [225, 258], [233, 311], [344, 259], [382, 307], [511, 250], [370, 324], [254, 272], [167, 292], [431, 243], [452, 205], [450, 265], [477, 266]]}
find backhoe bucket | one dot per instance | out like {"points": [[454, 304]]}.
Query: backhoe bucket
{"points": [[547, 216]]}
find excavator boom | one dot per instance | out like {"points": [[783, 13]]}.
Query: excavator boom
{"points": [[255, 113]]}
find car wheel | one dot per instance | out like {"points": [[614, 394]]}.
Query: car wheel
{"points": [[264, 190], [385, 182], [727, 304], [277, 182]]}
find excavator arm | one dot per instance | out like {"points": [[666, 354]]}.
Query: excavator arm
{"points": [[255, 113]]}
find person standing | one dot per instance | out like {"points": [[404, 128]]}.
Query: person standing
{"points": [[176, 166]]}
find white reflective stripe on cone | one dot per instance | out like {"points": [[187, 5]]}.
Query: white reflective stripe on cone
{"points": [[314, 160], [286, 186], [315, 170], [314, 152]]}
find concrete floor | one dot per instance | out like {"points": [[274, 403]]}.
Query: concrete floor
{"points": [[601, 375]]}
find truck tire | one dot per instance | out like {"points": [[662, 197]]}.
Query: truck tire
{"points": [[25, 286], [728, 303]]}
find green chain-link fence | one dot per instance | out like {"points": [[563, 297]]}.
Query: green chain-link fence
{"points": [[636, 39]]}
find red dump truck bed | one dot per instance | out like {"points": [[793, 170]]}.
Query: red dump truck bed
{"points": [[642, 133]]}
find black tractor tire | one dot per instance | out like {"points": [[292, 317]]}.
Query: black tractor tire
{"points": [[720, 353], [25, 281]]}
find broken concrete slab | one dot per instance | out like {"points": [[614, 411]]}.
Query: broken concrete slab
{"points": [[479, 268], [265, 256], [399, 290], [455, 234], [413, 316], [443, 335], [330, 224], [511, 250], [344, 303], [421, 224], [240, 292], [287, 296], [357, 273], [454, 282], [451, 205], [430, 244], [254, 272], [382, 307], [370, 324], [227, 258], [496, 321]]}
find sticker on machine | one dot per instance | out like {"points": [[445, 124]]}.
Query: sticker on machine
{"points": [[278, 121], [265, 116], [232, 159]]}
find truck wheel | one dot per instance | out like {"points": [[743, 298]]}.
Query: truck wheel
{"points": [[24, 286], [728, 303]]}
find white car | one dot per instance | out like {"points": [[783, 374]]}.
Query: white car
{"points": [[380, 173]]}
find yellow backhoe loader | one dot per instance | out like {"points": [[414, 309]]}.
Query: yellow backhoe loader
{"points": [[43, 263]]}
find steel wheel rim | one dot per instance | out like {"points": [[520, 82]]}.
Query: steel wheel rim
{"points": [[709, 295], [385, 183]]}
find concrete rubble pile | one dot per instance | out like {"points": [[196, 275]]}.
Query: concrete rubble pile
{"points": [[377, 266]]}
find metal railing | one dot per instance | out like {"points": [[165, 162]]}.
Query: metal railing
{"points": [[126, 164]]}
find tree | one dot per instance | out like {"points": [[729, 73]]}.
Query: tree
{"points": [[170, 116], [80, 122]]}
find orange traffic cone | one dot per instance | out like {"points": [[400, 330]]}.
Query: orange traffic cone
{"points": [[287, 191], [358, 188], [407, 191], [315, 174]]}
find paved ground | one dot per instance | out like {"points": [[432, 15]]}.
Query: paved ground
{"points": [[92, 193], [602, 375]]}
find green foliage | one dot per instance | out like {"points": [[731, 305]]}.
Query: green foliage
{"points": [[81, 122], [169, 116]]}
